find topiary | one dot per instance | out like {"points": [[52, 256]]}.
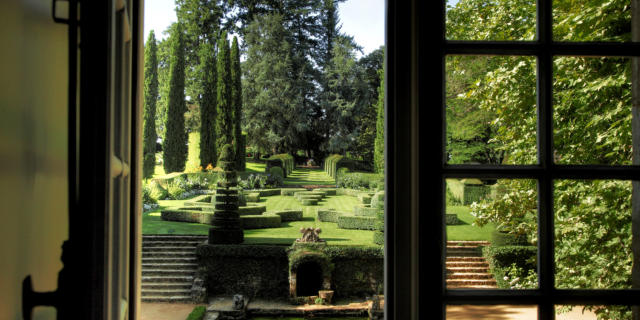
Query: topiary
{"points": [[276, 171]]}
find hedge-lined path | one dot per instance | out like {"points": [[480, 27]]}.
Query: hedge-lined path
{"points": [[306, 176], [168, 267], [466, 267]]}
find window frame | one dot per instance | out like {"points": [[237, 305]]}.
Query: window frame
{"points": [[544, 49]]}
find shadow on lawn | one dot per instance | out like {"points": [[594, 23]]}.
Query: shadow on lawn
{"points": [[281, 241]]}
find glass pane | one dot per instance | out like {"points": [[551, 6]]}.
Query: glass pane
{"points": [[593, 234], [491, 110], [491, 20], [499, 312], [592, 110], [592, 20], [491, 234], [564, 312]]}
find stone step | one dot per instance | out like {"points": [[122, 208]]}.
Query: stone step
{"points": [[176, 260], [163, 254], [469, 276], [472, 287], [465, 259], [463, 270], [468, 243], [163, 279], [167, 272], [169, 249], [191, 244], [464, 264], [460, 283], [165, 292], [166, 285], [171, 266], [167, 299]]}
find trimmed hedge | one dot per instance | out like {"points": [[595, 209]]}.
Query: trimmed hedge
{"points": [[451, 219], [503, 257], [309, 202], [335, 161], [264, 192], [500, 239], [468, 191], [253, 209], [260, 221], [329, 215], [327, 191], [356, 222], [360, 180], [363, 211], [331, 164], [192, 215], [378, 237], [347, 192], [199, 201], [287, 215], [291, 191], [377, 200], [284, 161], [253, 197]]}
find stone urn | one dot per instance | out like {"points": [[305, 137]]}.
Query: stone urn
{"points": [[326, 295]]}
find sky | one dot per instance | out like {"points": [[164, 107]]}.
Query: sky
{"points": [[363, 19]]}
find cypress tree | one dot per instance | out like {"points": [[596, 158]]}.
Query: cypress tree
{"points": [[208, 112], [224, 124], [150, 98], [378, 156], [175, 143], [236, 96]]}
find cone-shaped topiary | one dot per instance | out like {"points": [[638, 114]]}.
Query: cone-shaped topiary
{"points": [[226, 220]]}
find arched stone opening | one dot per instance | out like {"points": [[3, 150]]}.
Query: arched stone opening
{"points": [[309, 273]]}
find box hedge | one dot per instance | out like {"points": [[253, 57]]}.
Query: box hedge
{"points": [[252, 209], [364, 198], [503, 257], [364, 210], [329, 215], [253, 197], [291, 191], [357, 222], [451, 219], [284, 161], [309, 202], [335, 161], [287, 215], [192, 215], [327, 191], [260, 221]]}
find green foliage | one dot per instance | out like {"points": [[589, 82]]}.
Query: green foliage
{"points": [[284, 160], [260, 222], [378, 158], [328, 215], [175, 142], [147, 196], [198, 313], [276, 171], [357, 222], [157, 192], [224, 119], [360, 180], [149, 135], [208, 106], [288, 215], [236, 102]]}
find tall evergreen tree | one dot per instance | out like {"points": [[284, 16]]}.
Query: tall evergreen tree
{"points": [[236, 97], [150, 99], [378, 156], [175, 143], [224, 124], [208, 106]]}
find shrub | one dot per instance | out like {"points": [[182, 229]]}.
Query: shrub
{"points": [[253, 197], [501, 238], [291, 191], [156, 191], [361, 210], [451, 219], [288, 215], [253, 181], [146, 195], [276, 171], [377, 200], [252, 210], [176, 189], [198, 313], [359, 180], [192, 215], [356, 222], [502, 257], [274, 180], [327, 191], [260, 221], [328, 215], [378, 237], [284, 161], [364, 198]]}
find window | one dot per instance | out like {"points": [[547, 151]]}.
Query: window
{"points": [[428, 47]]}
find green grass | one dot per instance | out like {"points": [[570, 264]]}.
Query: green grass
{"points": [[303, 176], [152, 223], [466, 230], [255, 167]]}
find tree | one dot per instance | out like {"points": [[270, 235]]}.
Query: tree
{"points": [[175, 143], [378, 159], [236, 97], [150, 99], [224, 124], [208, 106], [273, 118]]}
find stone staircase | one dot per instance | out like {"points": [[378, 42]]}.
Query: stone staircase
{"points": [[168, 267], [466, 267]]}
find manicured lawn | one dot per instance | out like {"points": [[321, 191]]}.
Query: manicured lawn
{"points": [[255, 167], [152, 223], [303, 176], [466, 230]]}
